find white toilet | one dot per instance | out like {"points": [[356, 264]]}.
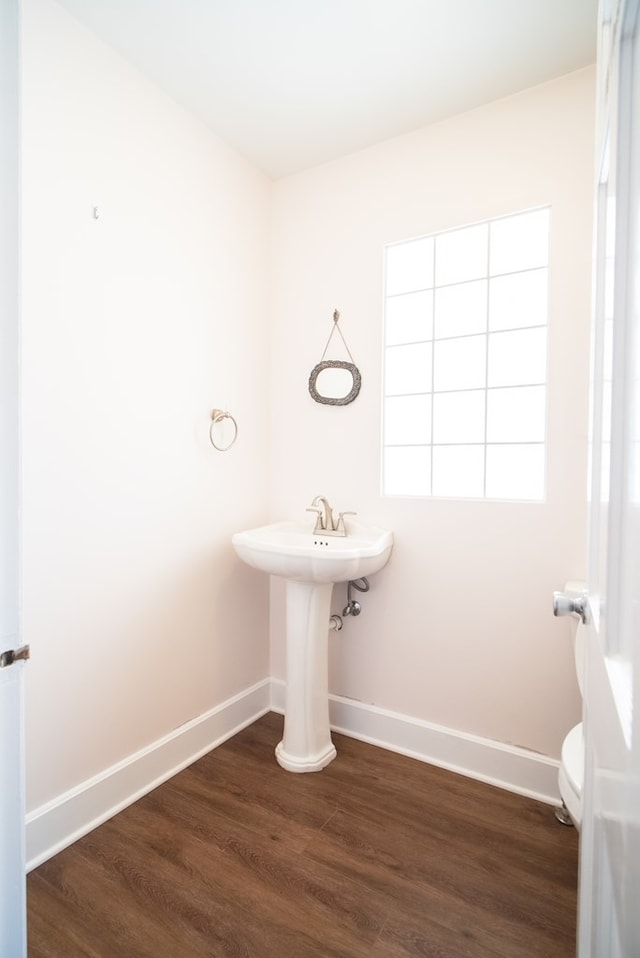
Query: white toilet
{"points": [[571, 774]]}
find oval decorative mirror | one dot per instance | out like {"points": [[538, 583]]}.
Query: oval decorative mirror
{"points": [[334, 382]]}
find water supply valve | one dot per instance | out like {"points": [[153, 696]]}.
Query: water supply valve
{"points": [[353, 607]]}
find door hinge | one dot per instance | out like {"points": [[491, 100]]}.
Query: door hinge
{"points": [[13, 655]]}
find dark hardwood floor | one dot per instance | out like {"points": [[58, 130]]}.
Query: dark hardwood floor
{"points": [[377, 856]]}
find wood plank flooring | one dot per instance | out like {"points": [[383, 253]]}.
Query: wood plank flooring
{"points": [[377, 856]]}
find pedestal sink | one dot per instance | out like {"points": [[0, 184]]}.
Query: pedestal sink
{"points": [[310, 562]]}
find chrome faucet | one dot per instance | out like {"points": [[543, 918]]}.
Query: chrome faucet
{"points": [[325, 523]]}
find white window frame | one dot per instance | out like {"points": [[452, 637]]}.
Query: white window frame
{"points": [[412, 434]]}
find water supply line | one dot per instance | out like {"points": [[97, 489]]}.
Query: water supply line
{"points": [[353, 607]]}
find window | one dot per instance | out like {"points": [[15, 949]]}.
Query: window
{"points": [[465, 361]]}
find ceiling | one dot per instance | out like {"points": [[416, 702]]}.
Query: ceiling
{"points": [[294, 83]]}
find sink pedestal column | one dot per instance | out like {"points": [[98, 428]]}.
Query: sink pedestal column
{"points": [[306, 745]]}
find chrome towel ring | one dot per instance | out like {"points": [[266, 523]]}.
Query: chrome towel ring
{"points": [[217, 416]]}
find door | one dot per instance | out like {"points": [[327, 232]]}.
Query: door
{"points": [[12, 845], [12, 854], [609, 902]]}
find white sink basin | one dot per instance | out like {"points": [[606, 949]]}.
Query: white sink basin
{"points": [[291, 549]]}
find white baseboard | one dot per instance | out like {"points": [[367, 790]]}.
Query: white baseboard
{"points": [[507, 766], [73, 814]]}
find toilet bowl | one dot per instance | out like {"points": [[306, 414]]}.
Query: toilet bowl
{"points": [[571, 774]]}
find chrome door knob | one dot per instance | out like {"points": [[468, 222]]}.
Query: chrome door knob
{"points": [[565, 604]]}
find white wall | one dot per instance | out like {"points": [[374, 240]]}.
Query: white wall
{"points": [[135, 326], [458, 629]]}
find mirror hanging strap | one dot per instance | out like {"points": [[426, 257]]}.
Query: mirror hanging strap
{"points": [[336, 326]]}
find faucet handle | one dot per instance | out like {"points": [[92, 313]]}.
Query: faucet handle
{"points": [[318, 526], [340, 526]]}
